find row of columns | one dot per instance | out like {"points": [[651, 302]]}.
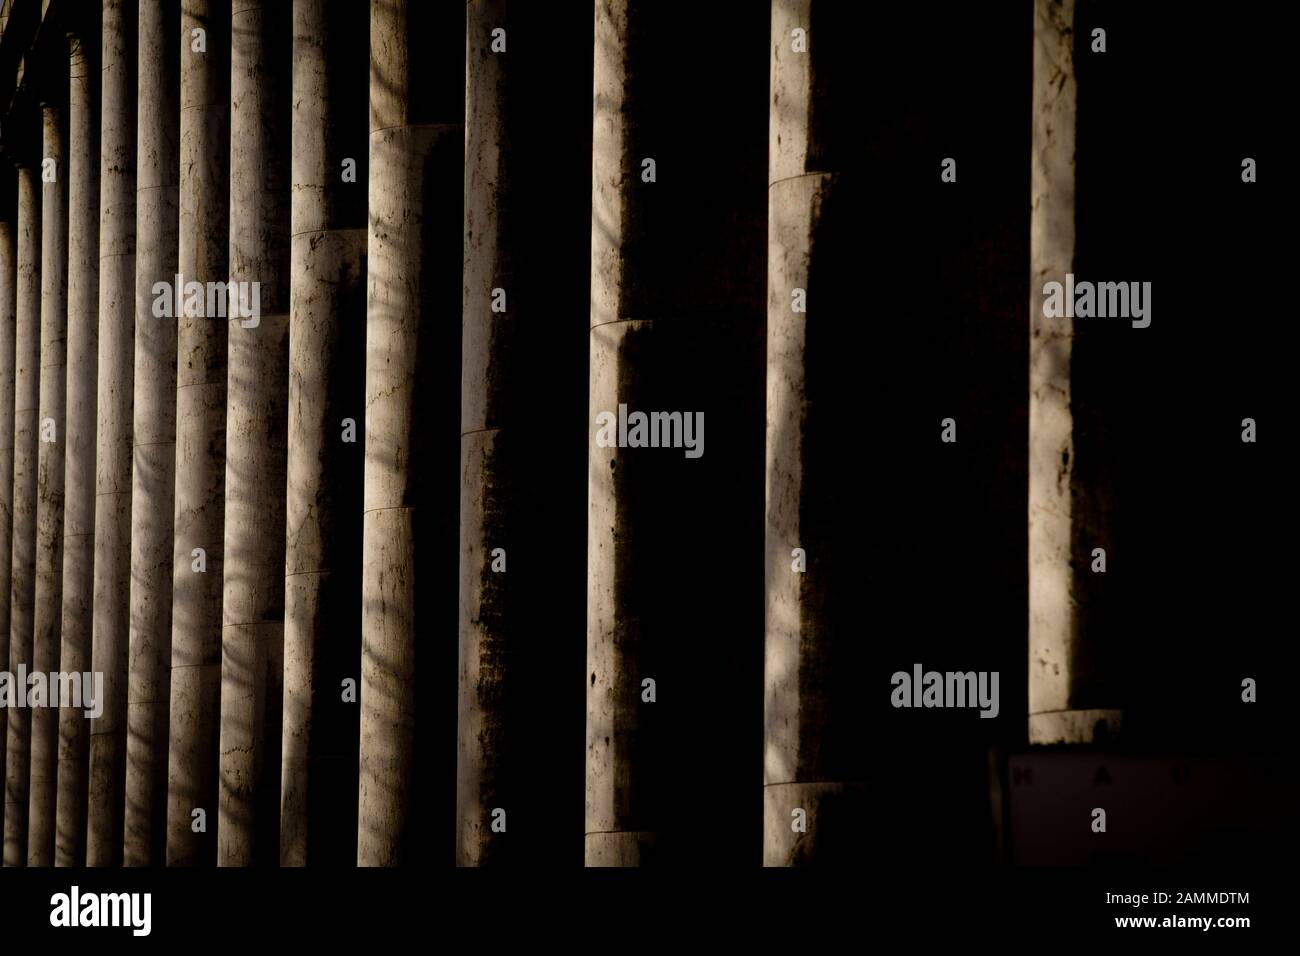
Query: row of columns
{"points": [[258, 512]]}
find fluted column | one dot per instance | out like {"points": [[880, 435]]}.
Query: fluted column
{"points": [[49, 484], [27, 357], [200, 437], [671, 649], [112, 583], [1071, 697], [417, 96], [814, 765], [252, 638], [327, 307], [79, 465], [154, 436]]}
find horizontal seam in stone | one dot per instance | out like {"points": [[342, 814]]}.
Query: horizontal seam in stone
{"points": [[384, 129], [809, 783], [370, 511], [328, 229], [789, 179], [616, 322]]}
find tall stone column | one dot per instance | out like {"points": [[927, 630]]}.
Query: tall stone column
{"points": [[154, 436], [27, 357], [8, 319], [673, 596], [486, 628], [1071, 701], [417, 96], [108, 731], [327, 314], [814, 764], [522, 533], [252, 637], [49, 482], [200, 436], [79, 464]]}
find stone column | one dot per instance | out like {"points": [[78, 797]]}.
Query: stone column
{"points": [[814, 764], [49, 482], [486, 671], [8, 290], [252, 637], [27, 357], [674, 597], [154, 436], [79, 464], [412, 380], [1070, 699], [327, 309], [108, 731], [200, 435], [522, 529]]}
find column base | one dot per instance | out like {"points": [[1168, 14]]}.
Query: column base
{"points": [[1074, 726]]}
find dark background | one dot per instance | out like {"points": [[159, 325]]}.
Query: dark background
{"points": [[931, 568], [931, 322]]}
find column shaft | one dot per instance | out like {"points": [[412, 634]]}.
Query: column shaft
{"points": [[79, 465], [814, 763], [412, 322], [667, 337], [252, 652], [486, 664], [117, 206], [154, 436], [524, 363], [327, 307], [27, 358], [8, 291], [49, 483], [200, 434], [1067, 704]]}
